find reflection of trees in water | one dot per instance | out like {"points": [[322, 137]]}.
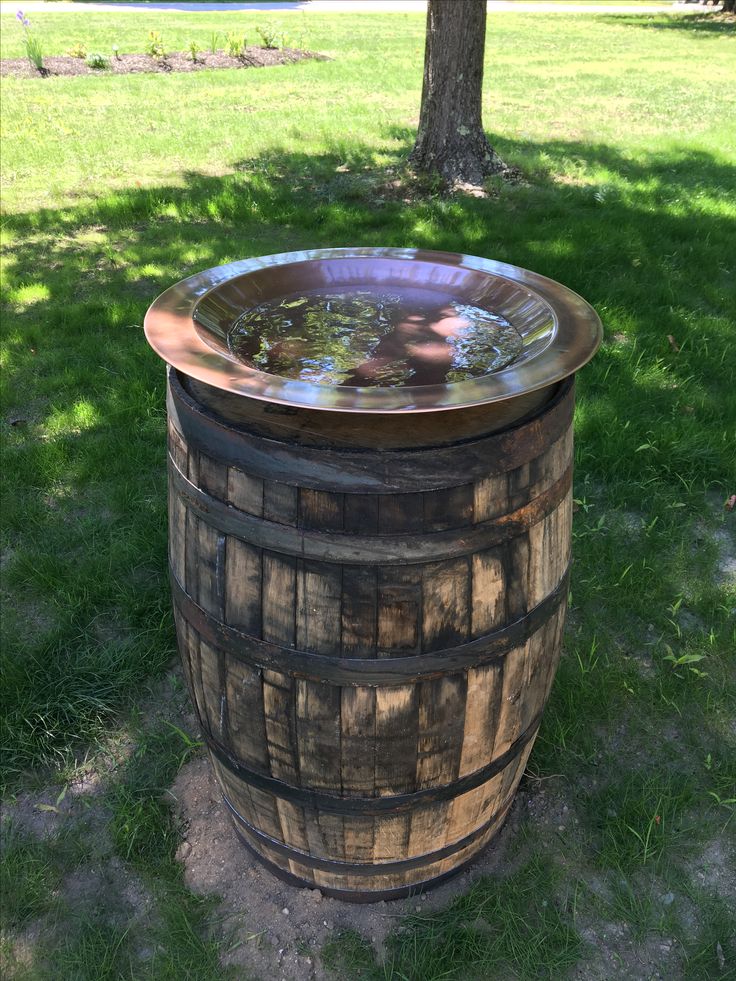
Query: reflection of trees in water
{"points": [[390, 338]]}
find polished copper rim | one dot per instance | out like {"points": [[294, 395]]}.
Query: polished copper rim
{"points": [[561, 331]]}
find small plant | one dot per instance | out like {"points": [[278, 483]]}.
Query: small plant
{"points": [[34, 51], [214, 41], [268, 35], [77, 50], [116, 51], [235, 44], [194, 50], [96, 60], [155, 45]]}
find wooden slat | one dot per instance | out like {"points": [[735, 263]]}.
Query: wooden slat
{"points": [[391, 837], [488, 592], [320, 510], [542, 561], [192, 467], [518, 491], [446, 604], [516, 569], [200, 702], [191, 554], [213, 477], [246, 716], [245, 492], [178, 448], [279, 690], [441, 718], [265, 813], [361, 514], [279, 709], [440, 737], [185, 636], [549, 551], [490, 498], [243, 587], [473, 809], [279, 599], [359, 608], [482, 705], [237, 793], [280, 503], [212, 673], [400, 513], [318, 628], [399, 611], [357, 743], [397, 717], [318, 734], [511, 716], [450, 507], [177, 534], [318, 602], [210, 571]]}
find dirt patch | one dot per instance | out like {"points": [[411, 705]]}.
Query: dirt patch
{"points": [[277, 930], [715, 870], [727, 558], [136, 64], [617, 955]]}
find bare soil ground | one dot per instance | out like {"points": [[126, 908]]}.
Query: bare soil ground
{"points": [[177, 61], [279, 929]]}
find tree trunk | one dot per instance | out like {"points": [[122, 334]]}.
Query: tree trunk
{"points": [[729, 6], [450, 140]]}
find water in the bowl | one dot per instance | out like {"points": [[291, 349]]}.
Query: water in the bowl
{"points": [[387, 337]]}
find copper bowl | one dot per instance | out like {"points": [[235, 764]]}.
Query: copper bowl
{"points": [[189, 325]]}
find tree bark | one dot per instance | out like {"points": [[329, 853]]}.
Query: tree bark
{"points": [[450, 139]]}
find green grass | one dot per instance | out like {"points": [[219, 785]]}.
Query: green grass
{"points": [[28, 875], [496, 930], [97, 934], [115, 187], [144, 831]]}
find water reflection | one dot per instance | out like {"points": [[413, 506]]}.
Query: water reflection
{"points": [[360, 337]]}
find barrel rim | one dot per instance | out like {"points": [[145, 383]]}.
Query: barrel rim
{"points": [[370, 469]]}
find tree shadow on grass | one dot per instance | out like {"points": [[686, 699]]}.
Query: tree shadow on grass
{"points": [[712, 24], [646, 241]]}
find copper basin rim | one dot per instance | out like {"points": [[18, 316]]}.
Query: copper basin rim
{"points": [[187, 325]]}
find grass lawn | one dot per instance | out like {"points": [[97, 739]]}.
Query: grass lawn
{"points": [[114, 188]]}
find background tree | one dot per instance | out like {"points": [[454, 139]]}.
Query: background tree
{"points": [[450, 139]]}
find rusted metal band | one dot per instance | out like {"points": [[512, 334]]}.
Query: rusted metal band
{"points": [[362, 868], [366, 896], [393, 803], [369, 471], [367, 550], [382, 671]]}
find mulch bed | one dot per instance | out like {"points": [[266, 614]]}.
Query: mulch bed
{"points": [[177, 61]]}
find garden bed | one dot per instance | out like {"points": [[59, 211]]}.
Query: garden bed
{"points": [[177, 61]]}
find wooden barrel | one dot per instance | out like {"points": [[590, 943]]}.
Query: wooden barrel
{"points": [[369, 634]]}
